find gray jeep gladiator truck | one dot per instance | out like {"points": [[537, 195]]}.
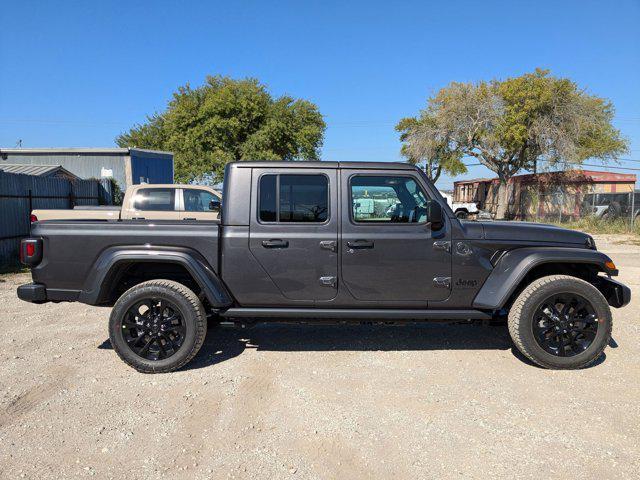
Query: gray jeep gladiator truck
{"points": [[303, 241]]}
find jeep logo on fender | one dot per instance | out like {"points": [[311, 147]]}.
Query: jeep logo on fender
{"points": [[463, 283]]}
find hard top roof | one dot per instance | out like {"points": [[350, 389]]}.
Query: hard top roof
{"points": [[349, 165]]}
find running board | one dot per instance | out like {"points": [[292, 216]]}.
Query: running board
{"points": [[360, 314]]}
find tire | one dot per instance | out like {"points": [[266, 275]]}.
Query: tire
{"points": [[614, 211], [166, 350], [525, 317], [462, 214]]}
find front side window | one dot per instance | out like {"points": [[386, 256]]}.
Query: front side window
{"points": [[196, 200], [389, 199], [155, 199], [293, 198]]}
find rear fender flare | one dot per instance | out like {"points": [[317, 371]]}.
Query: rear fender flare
{"points": [[514, 265], [95, 288]]}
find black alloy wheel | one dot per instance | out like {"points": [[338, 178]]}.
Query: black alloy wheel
{"points": [[565, 324], [560, 321], [154, 328], [158, 326]]}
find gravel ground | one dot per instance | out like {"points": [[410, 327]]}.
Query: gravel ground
{"points": [[426, 401]]}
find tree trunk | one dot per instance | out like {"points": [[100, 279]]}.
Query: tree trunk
{"points": [[503, 200]]}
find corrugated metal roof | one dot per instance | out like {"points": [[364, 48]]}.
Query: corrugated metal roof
{"points": [[37, 170], [575, 176], [72, 150]]}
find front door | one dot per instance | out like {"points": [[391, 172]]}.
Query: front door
{"points": [[389, 253], [294, 232], [199, 204]]}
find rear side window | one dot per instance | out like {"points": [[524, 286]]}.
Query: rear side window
{"points": [[155, 199], [293, 198], [268, 198]]}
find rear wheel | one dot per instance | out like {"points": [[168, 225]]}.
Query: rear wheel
{"points": [[157, 326], [560, 322]]}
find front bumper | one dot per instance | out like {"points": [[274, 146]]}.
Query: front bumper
{"points": [[617, 294], [32, 292]]}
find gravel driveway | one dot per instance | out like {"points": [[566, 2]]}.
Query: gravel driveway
{"points": [[425, 401]]}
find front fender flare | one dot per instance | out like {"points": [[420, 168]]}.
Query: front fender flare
{"points": [[211, 285], [515, 264]]}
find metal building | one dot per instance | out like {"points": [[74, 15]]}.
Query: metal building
{"points": [[128, 166], [48, 171], [563, 194]]}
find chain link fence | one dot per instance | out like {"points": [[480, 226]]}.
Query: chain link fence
{"points": [[560, 206]]}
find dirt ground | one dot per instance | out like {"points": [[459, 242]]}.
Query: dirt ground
{"points": [[426, 401]]}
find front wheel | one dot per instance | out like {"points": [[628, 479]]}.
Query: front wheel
{"points": [[157, 326], [560, 322]]}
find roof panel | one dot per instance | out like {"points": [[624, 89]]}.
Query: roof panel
{"points": [[304, 164], [73, 150], [37, 170]]}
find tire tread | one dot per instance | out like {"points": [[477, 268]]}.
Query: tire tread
{"points": [[515, 315], [200, 323]]}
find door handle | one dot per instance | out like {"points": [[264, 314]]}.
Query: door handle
{"points": [[190, 218], [443, 245], [328, 245], [275, 243], [360, 244]]}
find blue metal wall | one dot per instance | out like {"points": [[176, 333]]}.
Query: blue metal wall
{"points": [[151, 168], [84, 165]]}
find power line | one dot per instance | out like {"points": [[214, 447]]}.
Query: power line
{"points": [[609, 166]]}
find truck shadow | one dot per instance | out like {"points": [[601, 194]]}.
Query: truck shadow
{"points": [[222, 344]]}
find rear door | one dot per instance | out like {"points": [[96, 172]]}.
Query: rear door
{"points": [[389, 253], [294, 232]]}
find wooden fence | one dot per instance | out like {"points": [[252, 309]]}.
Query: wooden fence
{"points": [[20, 194]]}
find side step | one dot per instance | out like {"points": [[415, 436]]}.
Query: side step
{"points": [[355, 314]]}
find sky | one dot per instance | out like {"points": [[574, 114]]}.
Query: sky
{"points": [[79, 73]]}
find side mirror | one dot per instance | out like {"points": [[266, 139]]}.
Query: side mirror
{"points": [[434, 215], [214, 205]]}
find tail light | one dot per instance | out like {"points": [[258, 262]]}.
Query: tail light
{"points": [[31, 251], [33, 218]]}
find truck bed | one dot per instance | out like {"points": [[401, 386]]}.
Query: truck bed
{"points": [[78, 213], [73, 249]]}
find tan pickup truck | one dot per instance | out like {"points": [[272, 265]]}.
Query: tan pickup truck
{"points": [[148, 202]]}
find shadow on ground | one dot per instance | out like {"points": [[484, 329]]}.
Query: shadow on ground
{"points": [[224, 343]]}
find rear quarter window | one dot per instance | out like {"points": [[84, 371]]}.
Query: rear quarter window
{"points": [[155, 199]]}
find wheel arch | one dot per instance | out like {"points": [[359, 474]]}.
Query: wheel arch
{"points": [[108, 269], [518, 268]]}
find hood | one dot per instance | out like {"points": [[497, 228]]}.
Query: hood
{"points": [[533, 232]]}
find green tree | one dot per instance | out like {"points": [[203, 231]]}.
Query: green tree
{"points": [[423, 145], [228, 120], [513, 124]]}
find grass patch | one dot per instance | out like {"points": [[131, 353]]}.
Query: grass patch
{"points": [[597, 225]]}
